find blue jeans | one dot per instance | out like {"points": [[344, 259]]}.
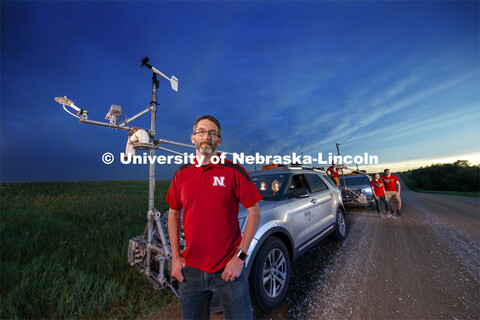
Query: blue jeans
{"points": [[197, 289], [382, 199]]}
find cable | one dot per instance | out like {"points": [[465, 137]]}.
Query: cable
{"points": [[70, 112]]}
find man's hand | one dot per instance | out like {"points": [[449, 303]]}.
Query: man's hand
{"points": [[233, 269], [178, 263]]}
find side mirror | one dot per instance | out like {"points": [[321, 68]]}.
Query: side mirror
{"points": [[298, 193]]}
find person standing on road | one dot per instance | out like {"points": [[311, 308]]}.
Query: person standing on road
{"points": [[332, 172], [378, 189], [392, 190], [215, 254]]}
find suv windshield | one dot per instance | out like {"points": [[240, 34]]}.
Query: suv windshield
{"points": [[354, 181], [269, 185]]}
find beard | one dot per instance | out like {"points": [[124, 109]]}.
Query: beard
{"points": [[206, 147]]}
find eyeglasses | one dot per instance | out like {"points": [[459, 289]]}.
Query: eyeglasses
{"points": [[212, 133]]}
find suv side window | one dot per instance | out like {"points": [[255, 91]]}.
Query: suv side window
{"points": [[298, 181], [316, 183]]}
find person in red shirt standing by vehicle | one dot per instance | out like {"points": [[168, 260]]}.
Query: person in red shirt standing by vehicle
{"points": [[378, 189], [332, 172], [214, 259], [392, 190]]}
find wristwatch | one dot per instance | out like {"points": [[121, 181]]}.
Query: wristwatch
{"points": [[241, 254]]}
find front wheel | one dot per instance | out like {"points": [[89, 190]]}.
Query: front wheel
{"points": [[271, 274], [341, 229]]}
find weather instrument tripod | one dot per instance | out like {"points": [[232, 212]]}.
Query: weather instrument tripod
{"points": [[150, 253]]}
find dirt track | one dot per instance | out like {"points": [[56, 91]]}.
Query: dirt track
{"points": [[422, 265]]}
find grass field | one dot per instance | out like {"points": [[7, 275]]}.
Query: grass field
{"points": [[411, 185], [64, 250]]}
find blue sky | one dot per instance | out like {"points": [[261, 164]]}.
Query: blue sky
{"points": [[399, 80]]}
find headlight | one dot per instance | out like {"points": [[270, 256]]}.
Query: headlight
{"points": [[367, 191]]}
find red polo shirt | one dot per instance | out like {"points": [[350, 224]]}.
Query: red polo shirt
{"points": [[390, 182], [210, 200]]}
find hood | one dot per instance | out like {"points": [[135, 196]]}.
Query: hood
{"points": [[355, 186]]}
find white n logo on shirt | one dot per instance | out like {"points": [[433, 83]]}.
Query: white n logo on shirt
{"points": [[219, 181]]}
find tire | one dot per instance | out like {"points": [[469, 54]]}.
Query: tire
{"points": [[271, 274], [341, 229]]}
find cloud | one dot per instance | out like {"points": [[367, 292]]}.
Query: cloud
{"points": [[473, 158]]}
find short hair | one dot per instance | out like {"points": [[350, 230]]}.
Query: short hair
{"points": [[211, 118], [385, 171]]}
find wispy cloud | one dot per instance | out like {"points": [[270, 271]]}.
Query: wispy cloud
{"points": [[473, 158]]}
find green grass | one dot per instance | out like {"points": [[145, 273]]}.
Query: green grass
{"points": [[412, 186], [64, 250]]}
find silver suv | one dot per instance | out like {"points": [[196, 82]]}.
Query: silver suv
{"points": [[300, 207], [306, 208]]}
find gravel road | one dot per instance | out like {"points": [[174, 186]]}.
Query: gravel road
{"points": [[423, 265]]}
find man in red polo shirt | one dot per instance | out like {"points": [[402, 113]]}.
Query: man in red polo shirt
{"points": [[392, 190], [213, 261]]}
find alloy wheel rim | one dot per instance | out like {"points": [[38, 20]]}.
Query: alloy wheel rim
{"points": [[341, 223], [274, 273]]}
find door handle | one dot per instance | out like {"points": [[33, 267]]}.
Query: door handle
{"points": [[313, 201], [331, 194]]}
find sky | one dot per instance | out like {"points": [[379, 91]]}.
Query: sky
{"points": [[395, 79]]}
